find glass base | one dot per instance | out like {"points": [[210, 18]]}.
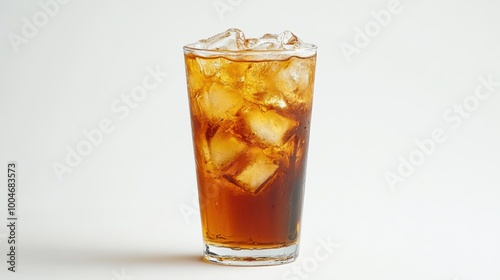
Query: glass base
{"points": [[250, 257]]}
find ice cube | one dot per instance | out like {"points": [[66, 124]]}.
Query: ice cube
{"points": [[256, 173], [224, 148], [202, 148], [283, 41], [195, 76], [268, 99], [295, 79], [220, 102], [255, 78], [209, 67], [234, 39], [231, 39], [233, 73], [266, 42], [288, 41], [269, 126], [258, 87]]}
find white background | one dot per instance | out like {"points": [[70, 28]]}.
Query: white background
{"points": [[118, 215]]}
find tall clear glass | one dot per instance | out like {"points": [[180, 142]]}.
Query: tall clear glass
{"points": [[250, 115]]}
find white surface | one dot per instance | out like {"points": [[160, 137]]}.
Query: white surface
{"points": [[117, 215]]}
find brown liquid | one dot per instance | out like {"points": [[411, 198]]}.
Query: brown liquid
{"points": [[250, 122]]}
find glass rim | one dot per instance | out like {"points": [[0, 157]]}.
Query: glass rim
{"points": [[308, 51]]}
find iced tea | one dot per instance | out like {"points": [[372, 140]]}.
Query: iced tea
{"points": [[250, 118]]}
